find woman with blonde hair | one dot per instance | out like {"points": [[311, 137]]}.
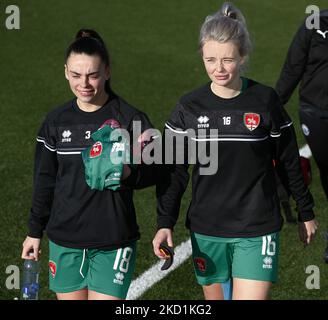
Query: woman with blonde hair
{"points": [[234, 215]]}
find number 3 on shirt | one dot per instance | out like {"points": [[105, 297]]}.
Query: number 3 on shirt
{"points": [[122, 260], [268, 246]]}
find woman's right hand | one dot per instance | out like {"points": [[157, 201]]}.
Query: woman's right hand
{"points": [[162, 235], [31, 244], [307, 231]]}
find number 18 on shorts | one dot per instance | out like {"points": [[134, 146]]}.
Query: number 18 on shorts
{"points": [[104, 271]]}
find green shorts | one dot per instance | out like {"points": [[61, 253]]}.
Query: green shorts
{"points": [[104, 271], [218, 259]]}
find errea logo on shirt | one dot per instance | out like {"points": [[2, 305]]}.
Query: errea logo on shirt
{"points": [[202, 122], [66, 136]]}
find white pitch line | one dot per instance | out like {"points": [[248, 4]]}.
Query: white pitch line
{"points": [[182, 252], [153, 275]]}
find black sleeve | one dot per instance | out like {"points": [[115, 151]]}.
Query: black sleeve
{"points": [[45, 172], [288, 162], [142, 175], [174, 174], [295, 64]]}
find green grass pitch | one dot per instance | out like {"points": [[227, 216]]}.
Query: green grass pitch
{"points": [[153, 46]]}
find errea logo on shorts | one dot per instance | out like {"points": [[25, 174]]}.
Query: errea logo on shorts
{"points": [[119, 278], [267, 263]]}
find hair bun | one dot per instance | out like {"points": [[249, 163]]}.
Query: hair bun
{"points": [[88, 33], [228, 10], [85, 34], [232, 15]]}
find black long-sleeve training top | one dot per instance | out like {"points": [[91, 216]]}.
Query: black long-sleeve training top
{"points": [[307, 63], [240, 199], [63, 204]]}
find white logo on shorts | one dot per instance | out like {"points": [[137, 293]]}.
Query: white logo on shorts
{"points": [[119, 278], [305, 129], [267, 263]]}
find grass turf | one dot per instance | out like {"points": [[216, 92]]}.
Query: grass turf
{"points": [[153, 46]]}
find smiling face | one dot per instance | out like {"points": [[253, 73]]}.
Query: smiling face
{"points": [[222, 62], [87, 76]]}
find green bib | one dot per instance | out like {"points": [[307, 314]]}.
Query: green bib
{"points": [[104, 160]]}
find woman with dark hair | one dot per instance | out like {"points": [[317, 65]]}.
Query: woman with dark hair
{"points": [[92, 233], [306, 65]]}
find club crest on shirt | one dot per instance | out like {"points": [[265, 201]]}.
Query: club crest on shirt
{"points": [[251, 120], [52, 268], [96, 150], [200, 263]]}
